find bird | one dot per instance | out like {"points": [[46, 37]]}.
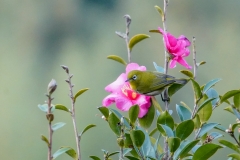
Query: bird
{"points": [[151, 83]]}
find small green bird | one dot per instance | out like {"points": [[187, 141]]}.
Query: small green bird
{"points": [[151, 83]]}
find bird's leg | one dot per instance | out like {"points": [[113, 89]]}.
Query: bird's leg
{"points": [[165, 99]]}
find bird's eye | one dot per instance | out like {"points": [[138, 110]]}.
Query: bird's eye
{"points": [[134, 77]]}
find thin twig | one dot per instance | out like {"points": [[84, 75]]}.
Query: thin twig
{"points": [[122, 137], [128, 22], [50, 131], [77, 137], [194, 58], [232, 135], [165, 71]]}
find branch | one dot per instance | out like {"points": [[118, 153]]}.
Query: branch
{"points": [[194, 58], [128, 22]]}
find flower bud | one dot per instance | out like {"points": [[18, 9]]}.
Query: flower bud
{"points": [[52, 86], [50, 117], [120, 142], [65, 68]]}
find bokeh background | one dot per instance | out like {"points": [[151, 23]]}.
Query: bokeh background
{"points": [[36, 37]]}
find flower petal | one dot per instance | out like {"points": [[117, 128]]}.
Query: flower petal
{"points": [[117, 84], [123, 103], [172, 63], [107, 101], [183, 63]]}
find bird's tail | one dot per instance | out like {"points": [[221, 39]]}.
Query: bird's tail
{"points": [[181, 81]]}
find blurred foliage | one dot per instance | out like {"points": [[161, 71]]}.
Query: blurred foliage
{"points": [[39, 36]]}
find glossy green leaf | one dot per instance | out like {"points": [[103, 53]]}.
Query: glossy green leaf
{"points": [[104, 111], [212, 93], [137, 137], [229, 109], [206, 112], [72, 153], [229, 145], [111, 154], [135, 39], [184, 129], [237, 114], [183, 112], [165, 130], [197, 122], [220, 128], [158, 68], [166, 119], [184, 148], [206, 151], [173, 143], [205, 103], [236, 101], [210, 84], [196, 90], [215, 135], [114, 122], [206, 127], [61, 107], [44, 107], [133, 114], [117, 59], [235, 156], [128, 141], [45, 139], [228, 95], [201, 63], [160, 11], [174, 88], [60, 151], [57, 125], [187, 73], [87, 128], [147, 120], [95, 157], [79, 93], [235, 125], [153, 131]]}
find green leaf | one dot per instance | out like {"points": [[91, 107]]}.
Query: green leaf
{"points": [[184, 129], [174, 88], [206, 111], [114, 122], [72, 153], [126, 151], [153, 131], [196, 89], [45, 139], [131, 158], [111, 154], [212, 93], [229, 109], [117, 58], [237, 114], [205, 103], [135, 39], [79, 93], [215, 135], [158, 68], [61, 107], [166, 119], [156, 104], [137, 137], [184, 148], [228, 95], [210, 84], [183, 112], [44, 107], [229, 145], [95, 157], [104, 111], [206, 151], [173, 143], [128, 141], [201, 63], [220, 128], [160, 11], [206, 127], [197, 122], [165, 130], [236, 101], [187, 73], [155, 31], [87, 128], [60, 151], [57, 125], [235, 156], [235, 125], [147, 120], [133, 114]]}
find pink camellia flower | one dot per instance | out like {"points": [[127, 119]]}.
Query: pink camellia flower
{"points": [[124, 96], [177, 48]]}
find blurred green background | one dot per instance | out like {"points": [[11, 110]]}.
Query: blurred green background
{"points": [[36, 37]]}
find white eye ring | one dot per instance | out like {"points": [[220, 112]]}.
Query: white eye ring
{"points": [[134, 77]]}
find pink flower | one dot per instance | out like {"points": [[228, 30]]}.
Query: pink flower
{"points": [[177, 48], [124, 96]]}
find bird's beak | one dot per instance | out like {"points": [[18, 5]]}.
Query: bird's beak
{"points": [[128, 79]]}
